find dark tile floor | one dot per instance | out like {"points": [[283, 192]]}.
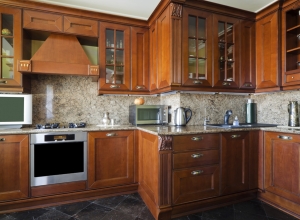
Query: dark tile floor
{"points": [[131, 207]]}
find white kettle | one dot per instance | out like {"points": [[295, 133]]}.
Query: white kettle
{"points": [[181, 118]]}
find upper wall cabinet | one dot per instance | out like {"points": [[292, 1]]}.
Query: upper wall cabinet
{"points": [[196, 48], [59, 23], [226, 51], [10, 78], [114, 56], [291, 46], [267, 53]]}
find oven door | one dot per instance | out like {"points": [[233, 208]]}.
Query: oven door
{"points": [[148, 115], [57, 160]]}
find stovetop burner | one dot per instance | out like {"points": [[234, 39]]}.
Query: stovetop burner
{"points": [[56, 125]]}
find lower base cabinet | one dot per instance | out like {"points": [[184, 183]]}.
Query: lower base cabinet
{"points": [[281, 171], [111, 156], [14, 167]]}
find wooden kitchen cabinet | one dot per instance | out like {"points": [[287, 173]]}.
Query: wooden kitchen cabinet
{"points": [[140, 59], [239, 162], [11, 40], [281, 170], [267, 50], [115, 58], [14, 167], [226, 58], [111, 159], [197, 48]]}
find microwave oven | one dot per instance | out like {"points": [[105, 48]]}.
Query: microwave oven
{"points": [[148, 114]]}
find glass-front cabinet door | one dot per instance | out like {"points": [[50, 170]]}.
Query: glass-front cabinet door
{"points": [[226, 46], [114, 57], [10, 20], [197, 48]]}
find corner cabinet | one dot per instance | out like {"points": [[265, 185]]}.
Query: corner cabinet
{"points": [[14, 167], [226, 51], [197, 48], [114, 42], [281, 171], [111, 159], [11, 41]]}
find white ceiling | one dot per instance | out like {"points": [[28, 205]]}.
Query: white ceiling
{"points": [[142, 9]]}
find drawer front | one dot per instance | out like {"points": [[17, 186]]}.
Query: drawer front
{"points": [[293, 78], [196, 158], [195, 184], [196, 142], [81, 26], [42, 21]]}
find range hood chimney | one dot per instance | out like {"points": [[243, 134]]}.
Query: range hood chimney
{"points": [[60, 54]]}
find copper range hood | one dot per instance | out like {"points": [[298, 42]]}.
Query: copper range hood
{"points": [[60, 54]]}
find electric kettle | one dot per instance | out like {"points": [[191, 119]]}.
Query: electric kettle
{"points": [[293, 114], [181, 118]]}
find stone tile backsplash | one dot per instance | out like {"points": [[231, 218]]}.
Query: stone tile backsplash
{"points": [[67, 99]]}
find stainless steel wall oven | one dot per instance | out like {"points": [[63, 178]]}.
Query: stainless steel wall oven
{"points": [[58, 157]]}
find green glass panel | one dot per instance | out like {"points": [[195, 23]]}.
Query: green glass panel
{"points": [[7, 46], [12, 109], [201, 28], [192, 26], [201, 48], [7, 68], [192, 47], [109, 74]]}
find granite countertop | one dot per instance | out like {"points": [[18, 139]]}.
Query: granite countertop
{"points": [[152, 129]]}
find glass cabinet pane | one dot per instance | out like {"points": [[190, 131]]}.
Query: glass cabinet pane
{"points": [[201, 49], [192, 47], [221, 31], [201, 28], [119, 75], [7, 24], [229, 33], [201, 68], [120, 39], [110, 56], [192, 68], [119, 57], [192, 26], [109, 74], [230, 48], [110, 38], [7, 46], [7, 68]]}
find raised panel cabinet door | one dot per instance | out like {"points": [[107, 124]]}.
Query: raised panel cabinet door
{"points": [[140, 59], [267, 69], [115, 65], [197, 48], [226, 58], [111, 158], [81, 26], [234, 162], [14, 167], [247, 67], [282, 165], [42, 21], [195, 183], [153, 72], [11, 51]]}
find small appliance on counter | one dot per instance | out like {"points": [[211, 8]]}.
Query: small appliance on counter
{"points": [[293, 114], [251, 108], [148, 114], [181, 118]]}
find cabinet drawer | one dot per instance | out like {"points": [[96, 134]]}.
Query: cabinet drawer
{"points": [[196, 158], [42, 21], [195, 184], [293, 77], [81, 26], [196, 142]]}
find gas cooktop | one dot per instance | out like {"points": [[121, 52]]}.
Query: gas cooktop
{"points": [[57, 125]]}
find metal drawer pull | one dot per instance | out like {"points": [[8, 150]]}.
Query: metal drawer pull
{"points": [[226, 84], [248, 85], [196, 172], [114, 86], [140, 87], [111, 134], [197, 138], [285, 137], [2, 139], [3, 82], [196, 155], [197, 82], [235, 136]]}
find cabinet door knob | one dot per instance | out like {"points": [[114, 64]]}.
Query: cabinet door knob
{"points": [[285, 137], [111, 134], [2, 139], [140, 87], [196, 172], [197, 82], [235, 136], [3, 82], [114, 86], [196, 155], [197, 138]]}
